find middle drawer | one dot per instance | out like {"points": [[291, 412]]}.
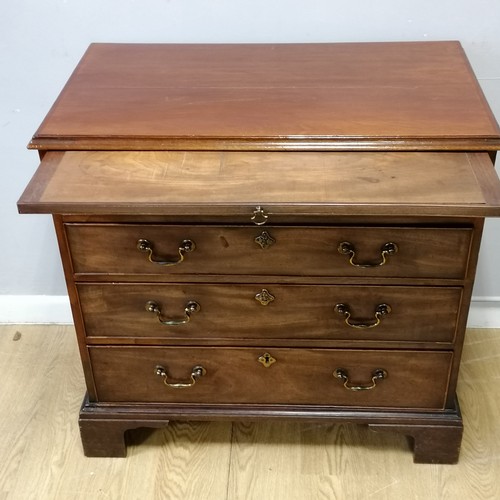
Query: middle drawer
{"points": [[271, 311]]}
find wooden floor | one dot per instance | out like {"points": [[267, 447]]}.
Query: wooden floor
{"points": [[41, 457]]}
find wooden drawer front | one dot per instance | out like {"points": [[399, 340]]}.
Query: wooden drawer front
{"points": [[422, 252], [415, 379], [271, 311]]}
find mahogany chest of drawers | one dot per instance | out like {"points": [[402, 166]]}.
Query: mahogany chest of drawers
{"points": [[270, 231]]}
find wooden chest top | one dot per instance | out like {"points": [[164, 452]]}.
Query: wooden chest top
{"points": [[377, 96]]}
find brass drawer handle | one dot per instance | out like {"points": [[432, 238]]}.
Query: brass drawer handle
{"points": [[155, 308], [259, 217], [196, 373], [342, 374], [186, 246], [380, 311], [347, 248]]}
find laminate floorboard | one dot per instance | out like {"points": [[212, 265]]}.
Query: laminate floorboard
{"points": [[41, 456]]}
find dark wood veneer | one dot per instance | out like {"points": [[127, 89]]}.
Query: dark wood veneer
{"points": [[271, 94], [298, 251], [176, 142], [419, 314]]}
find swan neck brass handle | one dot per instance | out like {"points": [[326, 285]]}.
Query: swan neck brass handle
{"points": [[196, 373], [377, 374], [186, 246], [380, 311], [190, 308], [347, 248]]}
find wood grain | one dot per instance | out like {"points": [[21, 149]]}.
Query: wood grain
{"points": [[268, 98], [42, 457], [40, 446], [219, 94], [105, 250], [298, 376], [234, 182], [421, 314]]}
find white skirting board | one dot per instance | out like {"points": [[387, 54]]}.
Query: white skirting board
{"points": [[43, 309], [484, 312], [14, 309]]}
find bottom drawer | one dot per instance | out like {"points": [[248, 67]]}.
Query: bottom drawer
{"points": [[400, 379]]}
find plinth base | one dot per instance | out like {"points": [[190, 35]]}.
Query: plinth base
{"points": [[436, 436]]}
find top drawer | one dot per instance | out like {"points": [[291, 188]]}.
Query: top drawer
{"points": [[280, 251]]}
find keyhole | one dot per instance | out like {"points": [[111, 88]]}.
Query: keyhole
{"points": [[266, 359]]}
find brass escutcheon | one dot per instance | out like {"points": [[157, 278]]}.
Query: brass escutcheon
{"points": [[264, 297], [265, 240], [266, 359]]}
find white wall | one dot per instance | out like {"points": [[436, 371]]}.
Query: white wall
{"points": [[42, 40]]}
